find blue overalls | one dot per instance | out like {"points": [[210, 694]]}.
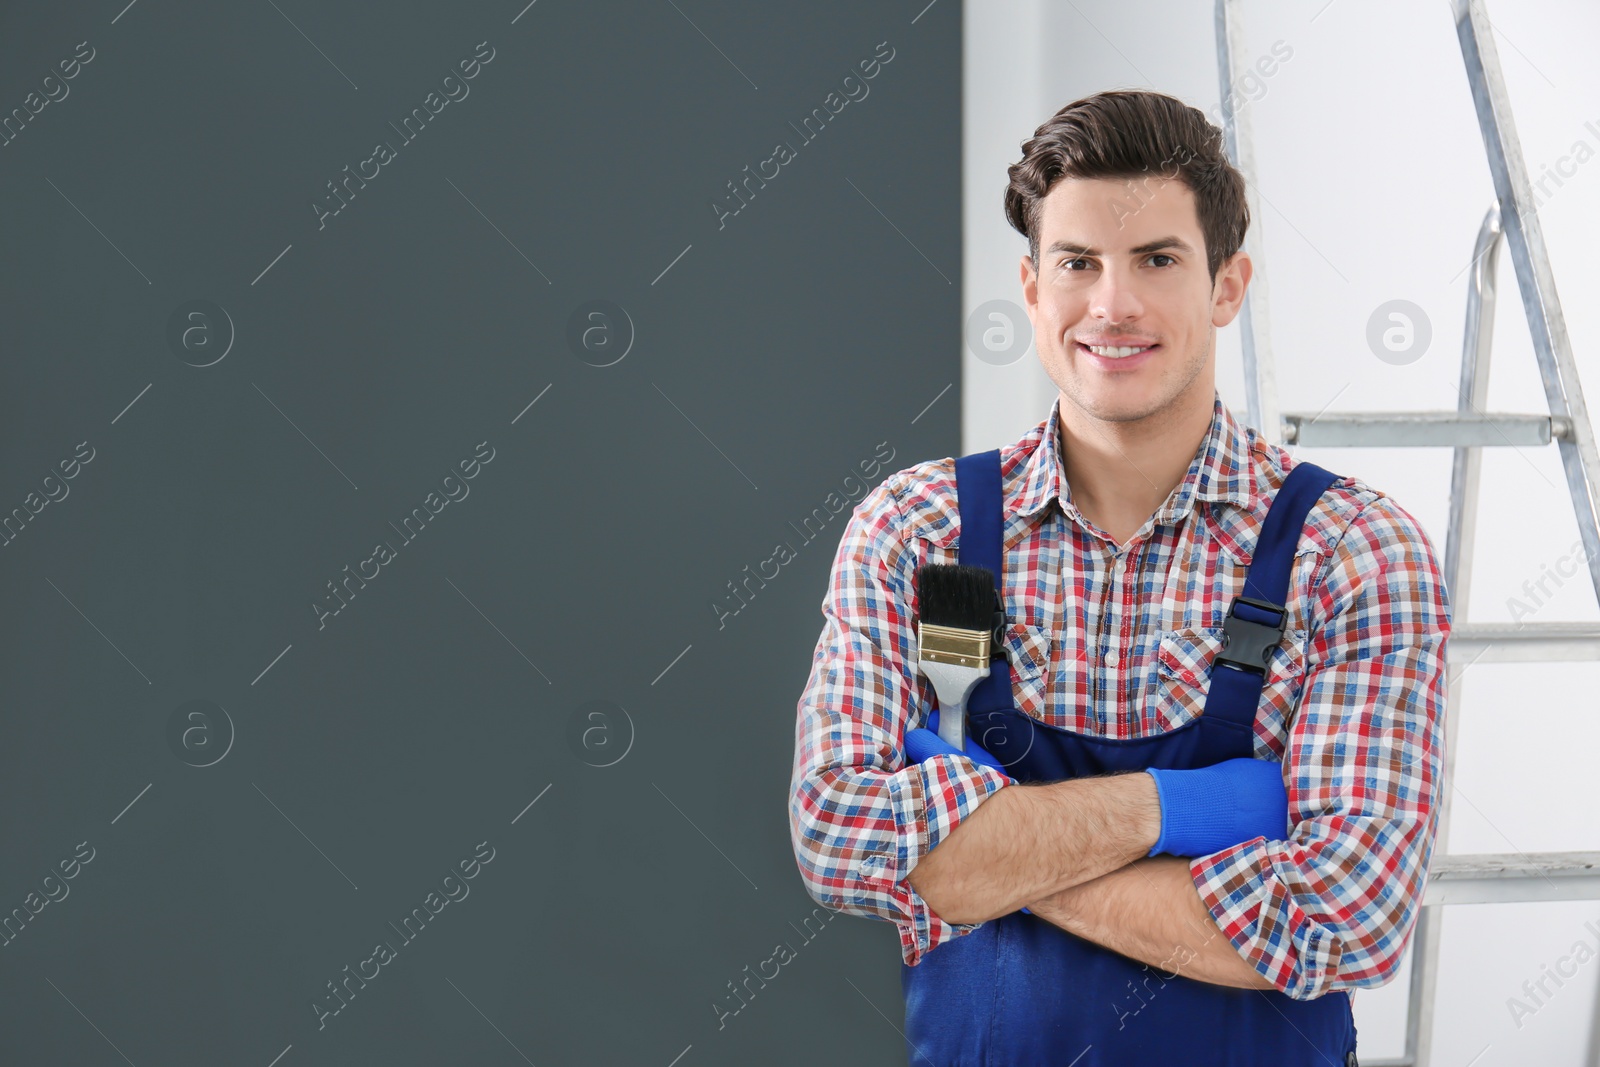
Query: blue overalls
{"points": [[1021, 992]]}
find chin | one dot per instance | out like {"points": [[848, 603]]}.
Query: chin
{"points": [[1119, 402]]}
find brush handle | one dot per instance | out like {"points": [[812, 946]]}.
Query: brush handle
{"points": [[953, 684], [953, 725]]}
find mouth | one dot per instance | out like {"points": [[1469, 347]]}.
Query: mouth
{"points": [[1115, 357]]}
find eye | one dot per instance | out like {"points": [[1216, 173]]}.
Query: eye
{"points": [[1163, 255], [1068, 264]]}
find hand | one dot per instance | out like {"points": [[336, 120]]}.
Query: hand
{"points": [[1208, 809], [922, 743]]}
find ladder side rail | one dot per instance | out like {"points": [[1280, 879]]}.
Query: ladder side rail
{"points": [[1255, 342], [1525, 236], [1466, 468]]}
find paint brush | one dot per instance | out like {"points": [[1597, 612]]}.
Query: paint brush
{"points": [[958, 614]]}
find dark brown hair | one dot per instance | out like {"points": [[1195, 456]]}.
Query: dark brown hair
{"points": [[1130, 134]]}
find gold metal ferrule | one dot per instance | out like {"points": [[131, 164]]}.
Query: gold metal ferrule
{"points": [[946, 644]]}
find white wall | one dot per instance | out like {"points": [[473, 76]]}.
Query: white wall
{"points": [[1372, 171]]}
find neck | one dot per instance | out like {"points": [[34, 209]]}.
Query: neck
{"points": [[1120, 473]]}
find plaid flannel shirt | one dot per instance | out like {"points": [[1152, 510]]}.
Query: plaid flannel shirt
{"points": [[1118, 641]]}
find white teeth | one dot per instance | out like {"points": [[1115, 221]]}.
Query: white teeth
{"points": [[1116, 351]]}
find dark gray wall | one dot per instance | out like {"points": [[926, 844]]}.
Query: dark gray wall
{"points": [[263, 792]]}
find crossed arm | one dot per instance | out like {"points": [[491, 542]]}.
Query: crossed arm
{"points": [[1075, 853]]}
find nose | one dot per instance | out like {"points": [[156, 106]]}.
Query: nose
{"points": [[1114, 297]]}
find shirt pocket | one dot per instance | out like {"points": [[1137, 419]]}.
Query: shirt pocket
{"points": [[1028, 650], [1184, 661]]}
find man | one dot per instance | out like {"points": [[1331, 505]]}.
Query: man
{"points": [[1089, 895]]}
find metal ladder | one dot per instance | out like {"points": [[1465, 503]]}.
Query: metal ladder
{"points": [[1487, 877]]}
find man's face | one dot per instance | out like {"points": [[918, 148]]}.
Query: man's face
{"points": [[1122, 264]]}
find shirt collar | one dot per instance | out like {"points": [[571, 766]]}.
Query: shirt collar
{"points": [[1221, 472]]}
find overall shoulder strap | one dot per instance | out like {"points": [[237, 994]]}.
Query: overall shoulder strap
{"points": [[1255, 622], [982, 539], [978, 502]]}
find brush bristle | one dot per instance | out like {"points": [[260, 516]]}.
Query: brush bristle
{"points": [[956, 596]]}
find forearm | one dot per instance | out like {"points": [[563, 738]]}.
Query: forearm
{"points": [[1027, 842], [1150, 910]]}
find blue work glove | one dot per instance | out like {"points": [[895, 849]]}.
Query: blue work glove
{"points": [[1208, 809], [922, 743]]}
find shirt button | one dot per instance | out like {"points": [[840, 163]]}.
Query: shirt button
{"points": [[1111, 659]]}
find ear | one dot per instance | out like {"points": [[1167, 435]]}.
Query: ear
{"points": [[1227, 292], [1030, 283]]}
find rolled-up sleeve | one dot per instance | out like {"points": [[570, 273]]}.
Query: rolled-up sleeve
{"points": [[860, 819], [1333, 906]]}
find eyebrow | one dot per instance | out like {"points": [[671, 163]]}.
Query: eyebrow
{"points": [[1149, 246]]}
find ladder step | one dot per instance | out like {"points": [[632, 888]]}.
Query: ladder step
{"points": [[1510, 877], [1525, 642], [1421, 429]]}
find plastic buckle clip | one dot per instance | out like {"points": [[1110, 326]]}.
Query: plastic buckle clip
{"points": [[1246, 643]]}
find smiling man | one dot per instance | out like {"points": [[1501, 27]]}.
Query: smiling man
{"points": [[1198, 797]]}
